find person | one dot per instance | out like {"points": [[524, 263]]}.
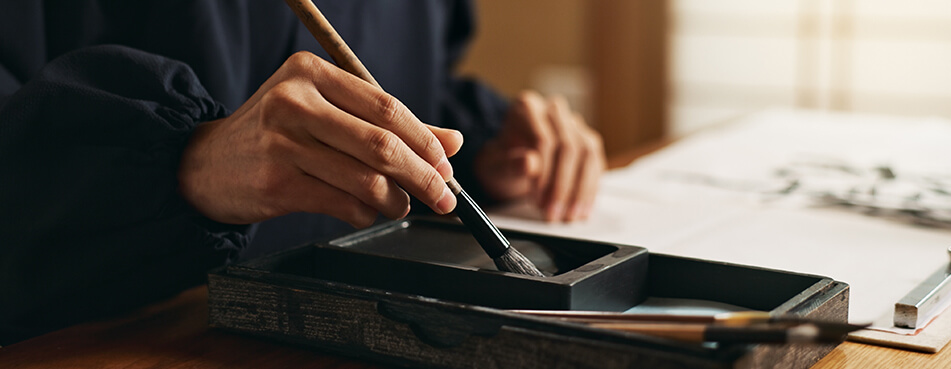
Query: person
{"points": [[143, 143]]}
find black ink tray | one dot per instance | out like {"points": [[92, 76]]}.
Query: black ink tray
{"points": [[442, 260], [420, 292]]}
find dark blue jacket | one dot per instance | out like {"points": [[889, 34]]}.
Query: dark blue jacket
{"points": [[97, 99]]}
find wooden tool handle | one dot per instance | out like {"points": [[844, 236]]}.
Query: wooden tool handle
{"points": [[679, 332], [327, 36]]}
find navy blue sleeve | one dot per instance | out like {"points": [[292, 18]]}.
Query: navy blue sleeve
{"points": [[91, 223], [471, 106], [477, 112], [8, 84]]}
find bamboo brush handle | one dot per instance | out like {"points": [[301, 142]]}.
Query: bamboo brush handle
{"points": [[488, 236], [330, 40]]}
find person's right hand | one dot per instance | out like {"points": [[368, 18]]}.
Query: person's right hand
{"points": [[317, 139]]}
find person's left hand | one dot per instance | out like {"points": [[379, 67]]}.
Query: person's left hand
{"points": [[546, 153]]}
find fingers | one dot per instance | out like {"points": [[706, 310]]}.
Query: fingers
{"points": [[450, 139], [382, 151], [364, 101], [376, 129], [314, 138], [580, 163], [344, 206], [343, 172], [508, 173], [560, 194], [231, 176], [570, 155], [529, 122], [590, 171]]}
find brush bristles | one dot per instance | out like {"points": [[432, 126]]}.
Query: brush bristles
{"points": [[513, 261]]}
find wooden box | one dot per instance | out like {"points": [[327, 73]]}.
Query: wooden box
{"points": [[362, 298]]}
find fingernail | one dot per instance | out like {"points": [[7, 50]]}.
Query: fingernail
{"points": [[555, 212], [444, 169], [447, 202]]}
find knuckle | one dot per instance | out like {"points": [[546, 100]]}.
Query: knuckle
{"points": [[376, 186], [308, 65], [571, 147], [434, 186], [383, 143], [283, 91], [301, 60], [389, 108], [281, 99], [526, 101], [433, 147]]}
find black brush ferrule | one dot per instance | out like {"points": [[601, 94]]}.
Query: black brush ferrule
{"points": [[488, 236]]}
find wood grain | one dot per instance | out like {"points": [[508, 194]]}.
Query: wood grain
{"points": [[171, 334], [858, 355]]}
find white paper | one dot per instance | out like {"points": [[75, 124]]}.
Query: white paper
{"points": [[718, 195]]}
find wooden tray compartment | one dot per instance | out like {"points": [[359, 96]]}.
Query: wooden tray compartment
{"points": [[294, 297]]}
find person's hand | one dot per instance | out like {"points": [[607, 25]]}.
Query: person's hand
{"points": [[544, 152], [316, 139]]}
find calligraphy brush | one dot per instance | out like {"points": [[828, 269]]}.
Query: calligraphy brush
{"points": [[757, 333], [731, 318], [736, 318], [741, 326], [506, 257], [584, 316]]}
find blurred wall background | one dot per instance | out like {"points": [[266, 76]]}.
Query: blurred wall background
{"points": [[733, 56], [606, 56], [644, 70]]}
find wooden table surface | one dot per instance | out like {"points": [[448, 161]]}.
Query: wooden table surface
{"points": [[170, 334], [175, 334]]}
